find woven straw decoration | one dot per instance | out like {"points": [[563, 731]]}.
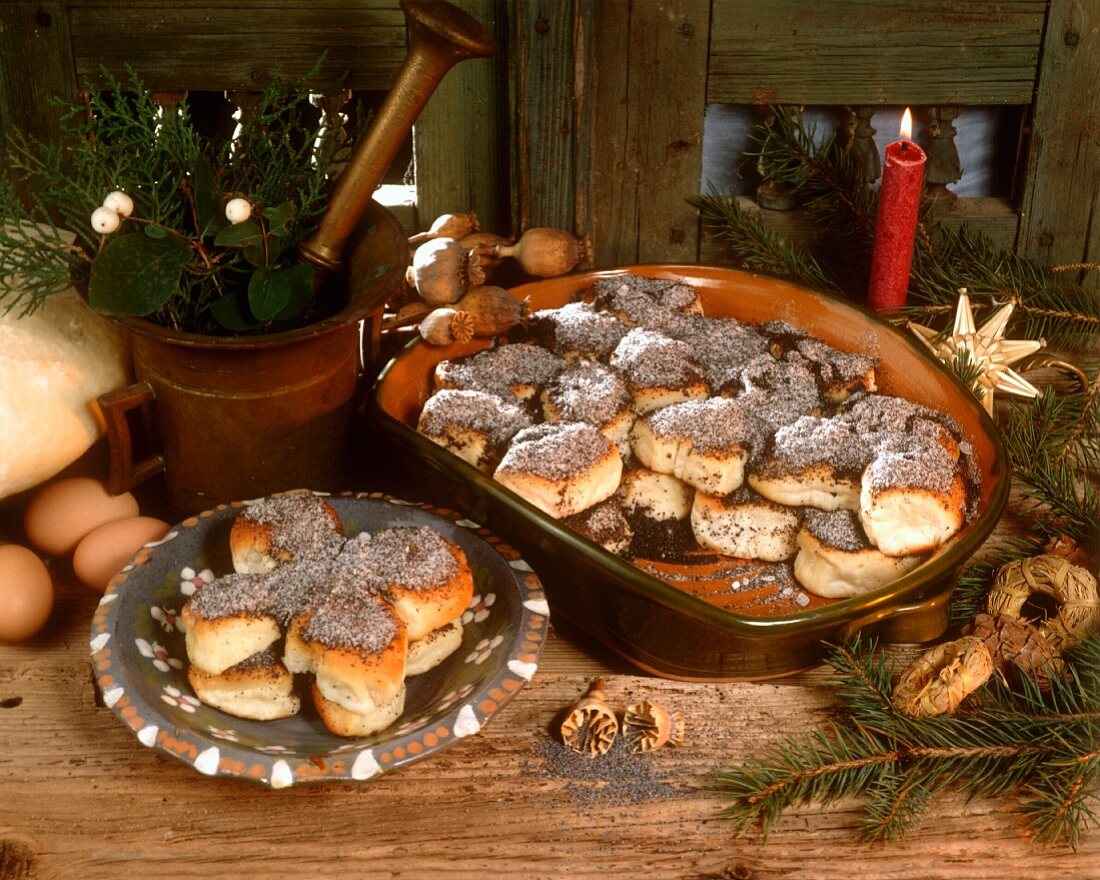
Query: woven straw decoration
{"points": [[1071, 586]]}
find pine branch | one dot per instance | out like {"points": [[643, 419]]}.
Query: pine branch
{"points": [[972, 589], [1065, 314], [895, 804], [756, 247], [831, 764], [1051, 458], [1042, 745]]}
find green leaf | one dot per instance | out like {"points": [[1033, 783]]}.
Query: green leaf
{"points": [[206, 199], [254, 253], [155, 231], [232, 313], [267, 294], [136, 275], [300, 281], [278, 217], [240, 234]]}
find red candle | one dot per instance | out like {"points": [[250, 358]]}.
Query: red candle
{"points": [[896, 227]]}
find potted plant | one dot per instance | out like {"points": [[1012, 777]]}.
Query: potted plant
{"points": [[247, 356], [190, 244]]}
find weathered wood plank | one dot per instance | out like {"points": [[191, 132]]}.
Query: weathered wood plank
{"points": [[543, 115], [210, 46], [644, 96], [874, 51], [36, 67], [1060, 205], [458, 144], [83, 799]]}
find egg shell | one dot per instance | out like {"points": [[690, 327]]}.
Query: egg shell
{"points": [[26, 593], [67, 510], [103, 552]]}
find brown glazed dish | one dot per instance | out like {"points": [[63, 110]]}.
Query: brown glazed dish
{"points": [[656, 626]]}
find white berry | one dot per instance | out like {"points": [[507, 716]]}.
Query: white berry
{"points": [[120, 203], [105, 221], [238, 210]]}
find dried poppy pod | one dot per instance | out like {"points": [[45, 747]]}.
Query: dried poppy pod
{"points": [[445, 325], [591, 726], [448, 226], [492, 310], [547, 252], [943, 677], [443, 270], [485, 244], [648, 726]]}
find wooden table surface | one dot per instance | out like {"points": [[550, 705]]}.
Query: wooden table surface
{"points": [[81, 798]]}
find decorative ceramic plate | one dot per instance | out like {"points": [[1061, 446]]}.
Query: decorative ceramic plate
{"points": [[141, 664]]}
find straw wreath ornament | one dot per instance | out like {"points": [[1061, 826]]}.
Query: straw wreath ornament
{"points": [[1071, 586]]}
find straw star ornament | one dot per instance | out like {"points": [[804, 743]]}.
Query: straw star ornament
{"points": [[988, 352]]}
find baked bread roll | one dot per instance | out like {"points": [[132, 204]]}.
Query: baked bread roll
{"points": [[561, 468], [722, 348], [705, 443], [282, 528], [428, 652], [576, 331], [596, 395], [658, 370], [814, 462], [835, 559], [343, 722], [425, 577], [259, 687], [913, 497], [745, 525], [840, 374], [519, 370], [659, 497], [651, 303], [358, 647], [781, 391], [228, 620], [474, 425]]}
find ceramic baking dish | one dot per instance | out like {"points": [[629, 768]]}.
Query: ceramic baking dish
{"points": [[659, 628]]}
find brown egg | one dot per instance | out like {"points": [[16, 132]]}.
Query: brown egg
{"points": [[26, 593], [65, 511], [103, 551]]}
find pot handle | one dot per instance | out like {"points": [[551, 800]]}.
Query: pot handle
{"points": [[125, 473], [916, 622]]}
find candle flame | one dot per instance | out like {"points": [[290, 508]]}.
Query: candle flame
{"points": [[907, 125]]}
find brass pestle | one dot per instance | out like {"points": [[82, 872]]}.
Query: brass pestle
{"points": [[440, 36]]}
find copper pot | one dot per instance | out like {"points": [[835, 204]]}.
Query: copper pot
{"points": [[238, 417]]}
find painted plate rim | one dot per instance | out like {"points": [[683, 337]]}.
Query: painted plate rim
{"points": [[517, 657]]}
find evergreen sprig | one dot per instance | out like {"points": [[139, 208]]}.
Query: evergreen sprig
{"points": [[758, 248], [1040, 746], [174, 260], [1052, 443], [821, 173]]}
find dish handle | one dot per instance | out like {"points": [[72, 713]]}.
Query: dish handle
{"points": [[913, 623]]}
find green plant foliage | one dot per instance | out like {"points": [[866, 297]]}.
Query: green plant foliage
{"points": [[1038, 746], [137, 274], [176, 260]]}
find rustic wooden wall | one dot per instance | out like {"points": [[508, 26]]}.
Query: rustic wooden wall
{"points": [[591, 117]]}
